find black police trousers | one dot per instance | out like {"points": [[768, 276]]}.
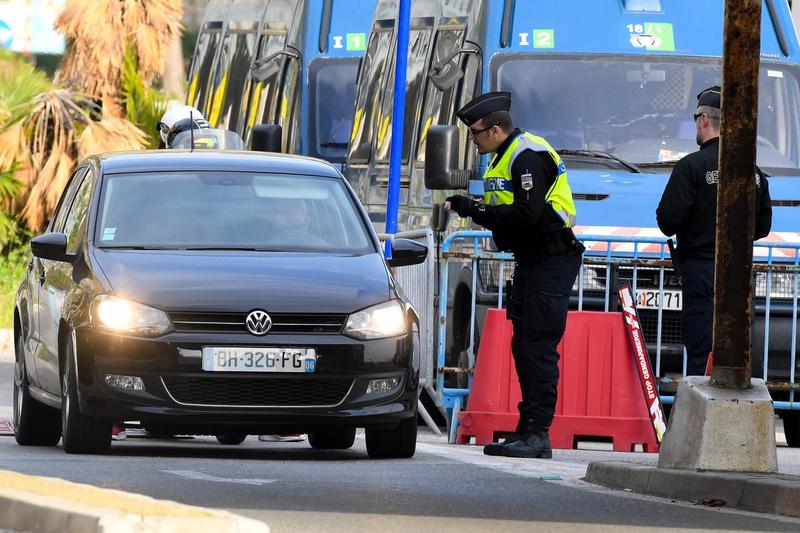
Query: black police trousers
{"points": [[540, 300], [697, 317]]}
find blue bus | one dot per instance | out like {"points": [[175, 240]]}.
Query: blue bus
{"points": [[612, 85], [287, 62]]}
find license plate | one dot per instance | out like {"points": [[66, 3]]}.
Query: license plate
{"points": [[249, 359], [651, 299]]}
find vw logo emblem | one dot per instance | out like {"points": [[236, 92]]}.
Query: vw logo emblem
{"points": [[258, 322]]}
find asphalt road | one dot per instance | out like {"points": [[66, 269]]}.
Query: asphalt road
{"points": [[443, 488]]}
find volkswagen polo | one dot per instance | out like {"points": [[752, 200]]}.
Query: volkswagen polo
{"points": [[214, 293]]}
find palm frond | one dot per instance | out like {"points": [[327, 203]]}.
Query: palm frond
{"points": [[143, 105], [20, 83]]}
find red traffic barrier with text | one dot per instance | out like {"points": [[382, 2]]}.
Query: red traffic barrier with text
{"points": [[599, 393]]}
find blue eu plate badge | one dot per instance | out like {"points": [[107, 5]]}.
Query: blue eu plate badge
{"points": [[311, 365]]}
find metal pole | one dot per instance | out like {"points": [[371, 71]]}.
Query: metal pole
{"points": [[741, 52], [398, 120]]}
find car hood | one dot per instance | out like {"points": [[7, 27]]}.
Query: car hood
{"points": [[242, 281]]}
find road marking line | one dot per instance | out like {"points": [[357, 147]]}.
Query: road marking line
{"points": [[199, 476]]}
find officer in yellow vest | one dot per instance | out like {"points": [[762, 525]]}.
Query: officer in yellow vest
{"points": [[528, 207]]}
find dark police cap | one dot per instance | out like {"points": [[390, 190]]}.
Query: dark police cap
{"points": [[483, 105], [710, 97]]}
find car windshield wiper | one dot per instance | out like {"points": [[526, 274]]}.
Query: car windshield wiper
{"points": [[600, 155], [659, 164], [236, 248], [137, 247]]}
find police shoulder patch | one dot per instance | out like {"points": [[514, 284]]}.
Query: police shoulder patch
{"points": [[527, 181]]}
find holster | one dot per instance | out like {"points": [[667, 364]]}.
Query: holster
{"points": [[513, 306]]}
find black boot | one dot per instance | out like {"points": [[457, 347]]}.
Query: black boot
{"points": [[496, 448], [535, 444]]}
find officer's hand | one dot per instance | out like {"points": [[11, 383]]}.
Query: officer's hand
{"points": [[462, 205]]}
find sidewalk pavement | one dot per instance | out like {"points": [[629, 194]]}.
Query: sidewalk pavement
{"points": [[596, 463], [44, 505]]}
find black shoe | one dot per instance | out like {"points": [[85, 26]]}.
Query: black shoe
{"points": [[534, 445], [496, 448]]}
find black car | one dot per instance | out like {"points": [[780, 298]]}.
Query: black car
{"points": [[214, 293]]}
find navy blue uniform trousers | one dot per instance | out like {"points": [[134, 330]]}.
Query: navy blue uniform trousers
{"points": [[540, 299], [697, 317]]}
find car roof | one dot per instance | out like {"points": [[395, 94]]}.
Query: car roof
{"points": [[231, 160]]}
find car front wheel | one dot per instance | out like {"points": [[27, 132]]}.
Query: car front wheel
{"points": [[81, 433], [397, 443], [35, 424]]}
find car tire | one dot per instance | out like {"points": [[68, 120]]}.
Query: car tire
{"points": [[35, 424], [81, 434], [791, 428], [397, 443], [231, 439], [335, 439]]}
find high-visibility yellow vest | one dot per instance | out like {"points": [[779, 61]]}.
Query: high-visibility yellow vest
{"points": [[498, 186]]}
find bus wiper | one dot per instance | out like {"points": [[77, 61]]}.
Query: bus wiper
{"points": [[601, 155], [333, 144]]}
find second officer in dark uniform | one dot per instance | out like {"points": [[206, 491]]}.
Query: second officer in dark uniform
{"points": [[688, 209], [528, 206]]}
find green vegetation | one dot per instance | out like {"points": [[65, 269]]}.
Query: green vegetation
{"points": [[143, 104], [12, 268]]}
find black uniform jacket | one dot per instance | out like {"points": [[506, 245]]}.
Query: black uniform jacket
{"points": [[688, 207], [521, 227]]}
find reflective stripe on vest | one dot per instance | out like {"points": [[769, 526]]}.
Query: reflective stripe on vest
{"points": [[498, 185]]}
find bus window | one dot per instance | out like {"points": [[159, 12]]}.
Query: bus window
{"points": [[375, 60], [238, 52], [419, 41], [439, 106], [264, 92], [200, 74], [332, 91]]}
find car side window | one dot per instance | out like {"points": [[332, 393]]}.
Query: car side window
{"points": [[66, 199], [76, 216]]}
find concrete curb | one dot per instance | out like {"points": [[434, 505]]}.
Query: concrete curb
{"points": [[30, 503], [765, 493]]}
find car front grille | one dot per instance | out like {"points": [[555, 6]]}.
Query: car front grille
{"points": [[260, 391], [235, 322]]}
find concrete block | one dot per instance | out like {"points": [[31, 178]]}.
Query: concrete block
{"points": [[697, 486], [619, 475], [711, 428]]}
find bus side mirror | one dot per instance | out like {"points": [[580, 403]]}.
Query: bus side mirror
{"points": [[441, 160], [267, 138]]}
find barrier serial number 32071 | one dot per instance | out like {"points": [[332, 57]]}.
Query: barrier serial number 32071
{"points": [[249, 359]]}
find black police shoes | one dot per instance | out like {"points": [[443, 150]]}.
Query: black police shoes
{"points": [[496, 448], [535, 445]]}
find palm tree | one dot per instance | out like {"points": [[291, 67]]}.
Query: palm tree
{"points": [[62, 128], [98, 34]]}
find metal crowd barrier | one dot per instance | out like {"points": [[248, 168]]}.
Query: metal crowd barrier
{"points": [[644, 263], [418, 285]]}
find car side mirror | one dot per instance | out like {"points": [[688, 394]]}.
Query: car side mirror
{"points": [[406, 252], [267, 138], [52, 246], [441, 160]]}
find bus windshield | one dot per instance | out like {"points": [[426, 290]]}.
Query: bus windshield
{"points": [[333, 93], [641, 109]]}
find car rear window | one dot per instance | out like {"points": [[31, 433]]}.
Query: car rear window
{"points": [[224, 210]]}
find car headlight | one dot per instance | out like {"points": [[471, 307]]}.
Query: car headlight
{"points": [[124, 316], [377, 322]]}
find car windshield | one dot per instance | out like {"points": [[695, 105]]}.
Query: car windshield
{"points": [[641, 109], [230, 210]]}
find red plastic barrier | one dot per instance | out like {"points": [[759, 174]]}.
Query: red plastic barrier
{"points": [[599, 394]]}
